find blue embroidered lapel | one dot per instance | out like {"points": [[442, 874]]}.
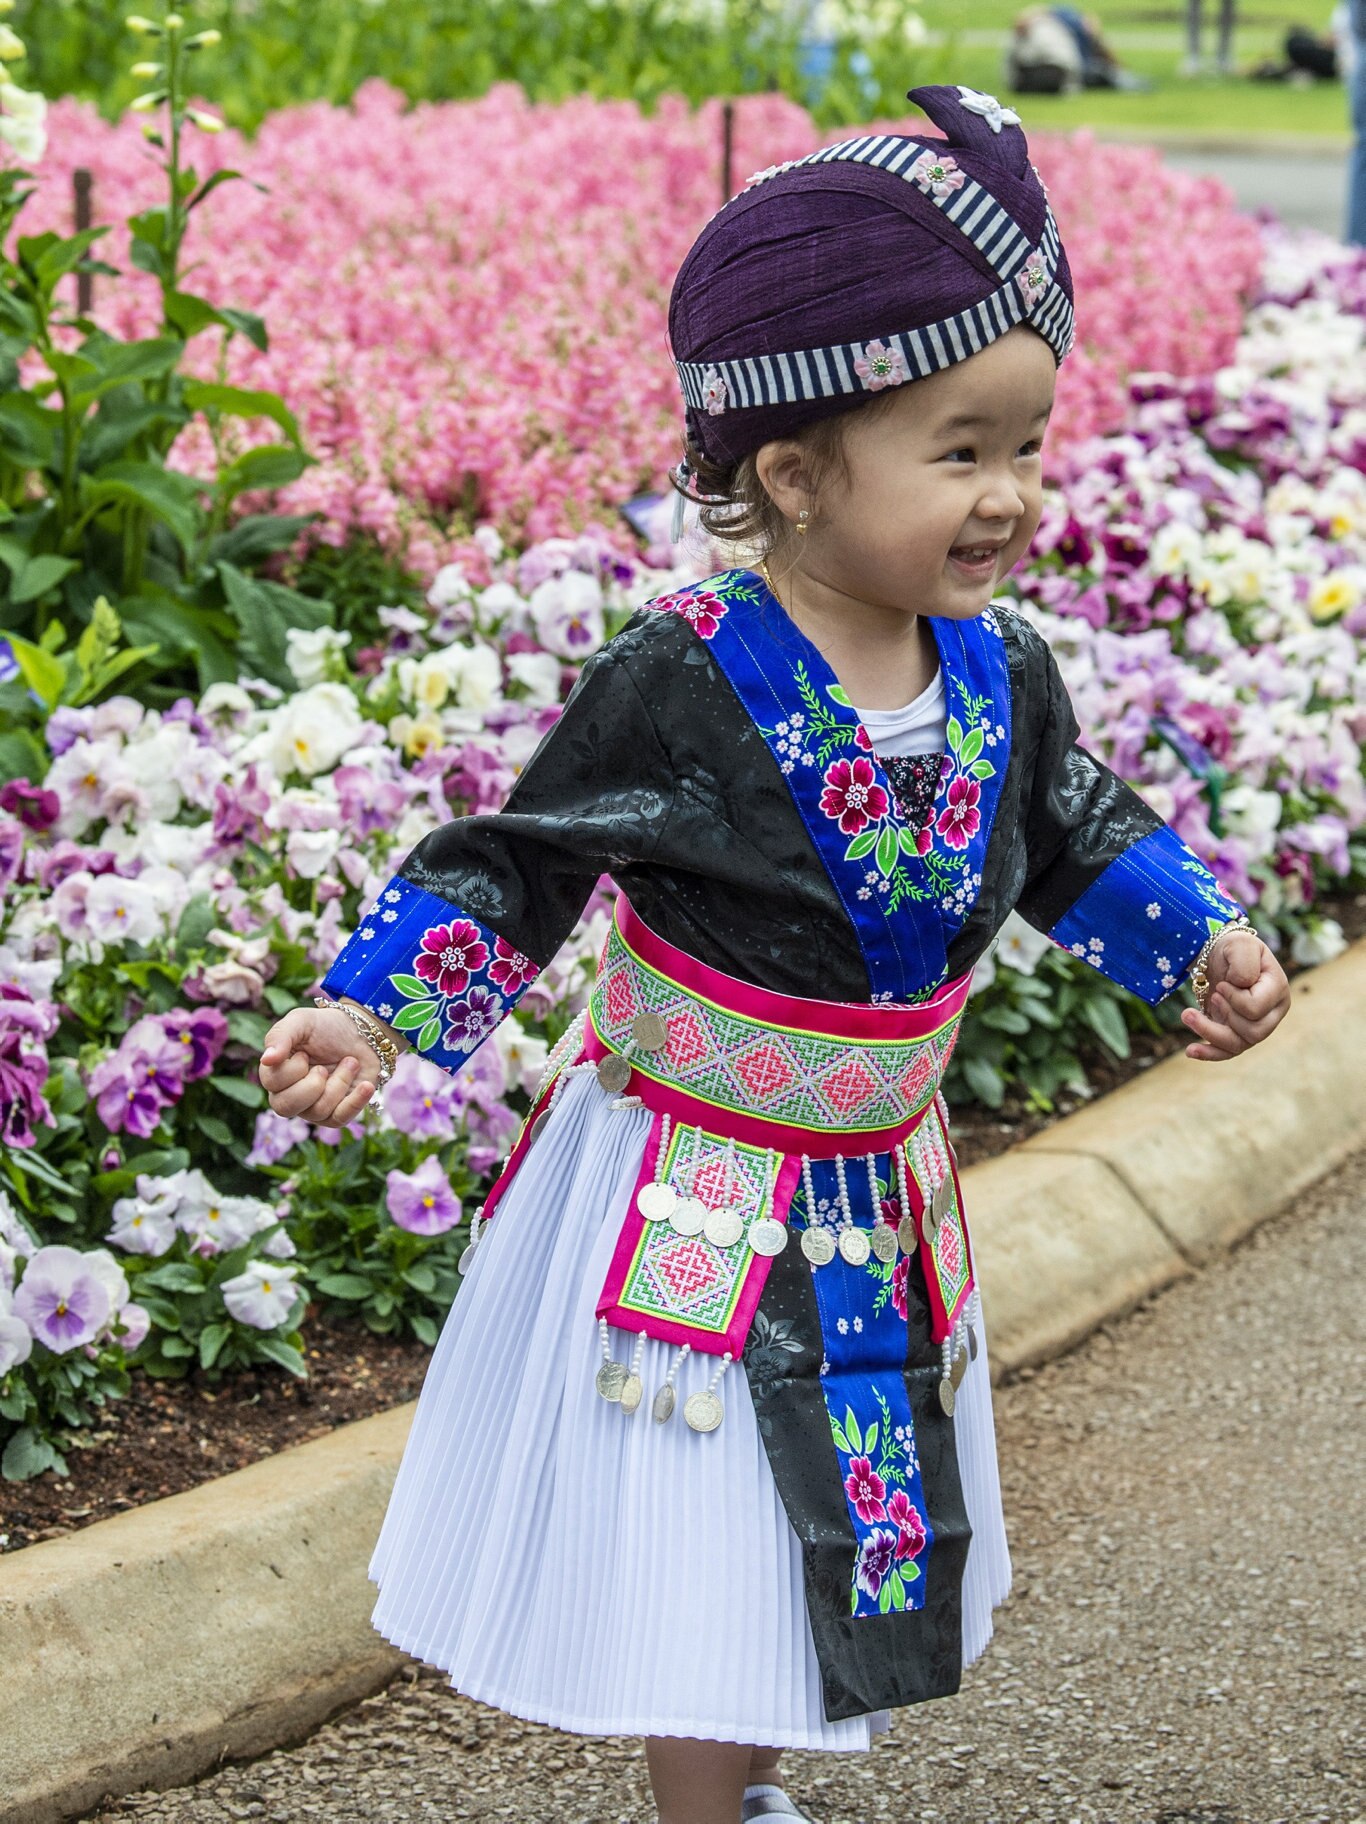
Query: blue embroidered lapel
{"points": [[906, 892]]}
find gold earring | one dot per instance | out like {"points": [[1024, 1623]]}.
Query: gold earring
{"points": [[802, 518]]}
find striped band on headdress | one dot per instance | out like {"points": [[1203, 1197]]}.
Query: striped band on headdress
{"points": [[1029, 293]]}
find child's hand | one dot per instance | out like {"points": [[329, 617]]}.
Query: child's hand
{"points": [[317, 1067], [1248, 998]]}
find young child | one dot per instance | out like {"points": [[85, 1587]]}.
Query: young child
{"points": [[705, 1450]]}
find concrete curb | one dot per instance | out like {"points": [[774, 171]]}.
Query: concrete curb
{"points": [[235, 1617]]}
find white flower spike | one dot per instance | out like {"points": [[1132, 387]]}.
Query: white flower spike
{"points": [[993, 113]]}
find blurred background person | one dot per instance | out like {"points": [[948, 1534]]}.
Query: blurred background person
{"points": [[1194, 63], [1056, 50], [1310, 56]]}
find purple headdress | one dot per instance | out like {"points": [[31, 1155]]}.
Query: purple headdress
{"points": [[861, 266]]}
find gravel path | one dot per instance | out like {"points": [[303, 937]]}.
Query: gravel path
{"points": [[1183, 1644]]}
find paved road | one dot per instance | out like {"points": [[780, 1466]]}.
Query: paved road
{"points": [[1183, 1644], [1309, 191]]}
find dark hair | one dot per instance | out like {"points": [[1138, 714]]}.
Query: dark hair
{"points": [[740, 509]]}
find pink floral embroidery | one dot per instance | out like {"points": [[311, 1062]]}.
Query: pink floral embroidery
{"points": [[714, 391], [910, 1526], [880, 366], [1032, 278], [899, 1274], [960, 819], [865, 1488], [937, 174], [705, 610], [510, 969], [863, 739], [450, 955], [851, 795]]}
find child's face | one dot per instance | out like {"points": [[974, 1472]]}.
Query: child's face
{"points": [[945, 486]]}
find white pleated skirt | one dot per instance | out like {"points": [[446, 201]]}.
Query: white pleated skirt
{"points": [[600, 1572]]}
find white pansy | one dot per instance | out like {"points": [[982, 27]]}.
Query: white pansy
{"points": [[1251, 813], [480, 677], [308, 733], [140, 1227], [489, 542], [225, 1221], [262, 1295], [449, 585], [121, 911], [311, 852], [1319, 942], [110, 1274], [1020, 946], [1174, 549], [22, 125], [983, 972], [539, 672], [498, 601], [308, 651], [16, 1339], [523, 1054]]}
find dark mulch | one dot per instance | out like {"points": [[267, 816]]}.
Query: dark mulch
{"points": [[172, 1435]]}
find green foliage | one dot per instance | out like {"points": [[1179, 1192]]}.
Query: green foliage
{"points": [[98, 533]]}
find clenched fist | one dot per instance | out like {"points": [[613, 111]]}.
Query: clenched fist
{"points": [[317, 1067]]}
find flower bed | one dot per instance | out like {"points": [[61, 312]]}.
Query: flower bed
{"points": [[179, 879], [469, 298]]}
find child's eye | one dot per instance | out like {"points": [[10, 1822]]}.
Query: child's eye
{"points": [[967, 454], [1033, 448]]}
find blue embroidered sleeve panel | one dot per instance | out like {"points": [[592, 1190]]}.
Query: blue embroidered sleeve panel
{"points": [[481, 904], [1107, 879]]}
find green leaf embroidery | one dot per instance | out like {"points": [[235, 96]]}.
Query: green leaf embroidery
{"points": [[837, 1433], [886, 850], [897, 1588], [851, 1430], [982, 769], [838, 694], [870, 1439], [954, 733], [429, 1035], [971, 747], [414, 1014], [884, 1601], [861, 846], [412, 987]]}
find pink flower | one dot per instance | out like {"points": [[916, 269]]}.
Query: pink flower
{"points": [[450, 955], [865, 1488], [714, 390], [1032, 278], [510, 969], [852, 796], [960, 819], [471, 1020], [880, 366], [937, 174], [910, 1524], [899, 1276]]}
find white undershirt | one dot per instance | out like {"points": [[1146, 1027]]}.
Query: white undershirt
{"points": [[917, 727]]}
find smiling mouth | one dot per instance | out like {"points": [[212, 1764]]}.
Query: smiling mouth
{"points": [[975, 557]]}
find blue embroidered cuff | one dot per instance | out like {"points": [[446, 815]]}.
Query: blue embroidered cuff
{"points": [[439, 977], [1143, 920]]}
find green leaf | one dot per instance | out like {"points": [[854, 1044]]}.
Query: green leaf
{"points": [[264, 612], [50, 258], [909, 1570], [28, 431], [853, 1600], [838, 694], [114, 364], [43, 674], [953, 731], [225, 176], [970, 749], [414, 1014], [27, 1455], [242, 402], [39, 575], [219, 1131], [276, 1349], [344, 1285], [176, 1348], [862, 845], [906, 839], [984, 1080], [837, 1433], [173, 1276], [268, 465], [429, 1035], [884, 1599], [211, 1340], [196, 921], [237, 1089], [412, 986], [423, 1328], [897, 1588], [870, 1439], [420, 1277], [1107, 1022], [257, 536], [851, 1430], [168, 495], [886, 850], [982, 769]]}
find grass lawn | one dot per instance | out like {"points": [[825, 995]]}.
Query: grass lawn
{"points": [[1151, 40]]}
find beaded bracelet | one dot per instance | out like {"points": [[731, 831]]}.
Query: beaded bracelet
{"points": [[380, 1042], [1199, 976]]}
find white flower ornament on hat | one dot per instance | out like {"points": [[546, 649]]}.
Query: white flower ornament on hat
{"points": [[989, 108]]}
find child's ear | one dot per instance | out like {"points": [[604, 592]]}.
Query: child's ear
{"points": [[781, 467]]}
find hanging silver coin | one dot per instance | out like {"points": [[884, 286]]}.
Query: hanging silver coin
{"points": [[703, 1411], [632, 1388], [972, 1342], [614, 1073], [884, 1242], [854, 1246], [689, 1216], [650, 1031], [724, 1227], [946, 1397], [818, 1245], [929, 1228], [610, 1379], [466, 1260], [959, 1368], [538, 1126], [663, 1407], [656, 1202], [905, 1234], [942, 1201], [767, 1235]]}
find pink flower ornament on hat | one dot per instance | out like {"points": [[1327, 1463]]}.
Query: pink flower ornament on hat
{"points": [[1032, 278], [880, 366], [937, 174], [714, 392]]}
